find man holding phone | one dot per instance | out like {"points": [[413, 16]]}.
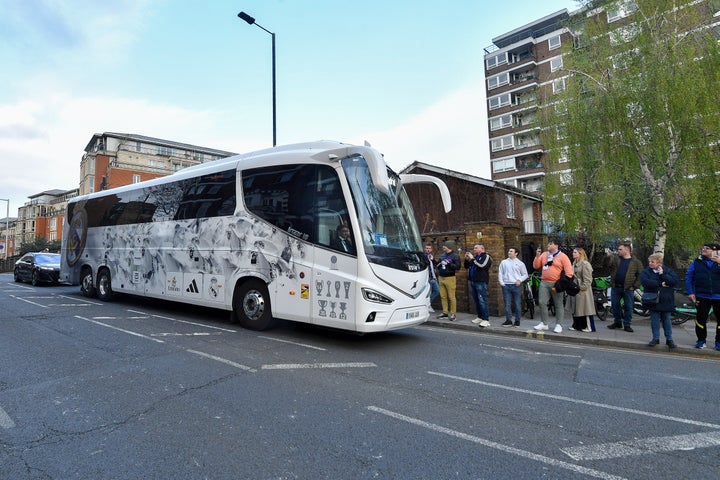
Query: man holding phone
{"points": [[702, 281]]}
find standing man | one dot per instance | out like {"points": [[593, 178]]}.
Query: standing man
{"points": [[511, 274], [446, 267], [432, 276], [624, 279], [703, 285], [552, 262], [478, 264]]}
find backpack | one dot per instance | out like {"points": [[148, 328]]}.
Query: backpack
{"points": [[567, 284]]}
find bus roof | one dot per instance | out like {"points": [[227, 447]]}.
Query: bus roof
{"points": [[326, 151]]}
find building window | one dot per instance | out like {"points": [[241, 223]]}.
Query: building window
{"points": [[503, 165], [499, 101], [566, 179], [621, 10], [138, 147], [509, 206], [498, 80], [165, 151], [554, 42], [136, 179], [502, 143], [558, 85], [503, 121], [91, 165], [556, 64], [496, 60]]}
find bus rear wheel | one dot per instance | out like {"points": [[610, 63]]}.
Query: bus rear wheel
{"points": [[104, 287], [87, 285], [251, 305]]}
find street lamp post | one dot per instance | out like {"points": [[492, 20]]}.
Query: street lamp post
{"points": [[7, 224], [250, 20]]}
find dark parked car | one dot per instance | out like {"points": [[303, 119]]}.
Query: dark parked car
{"points": [[37, 268]]}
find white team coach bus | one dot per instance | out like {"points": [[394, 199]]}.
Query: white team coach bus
{"points": [[257, 234]]}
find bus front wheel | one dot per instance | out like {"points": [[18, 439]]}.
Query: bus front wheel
{"points": [[87, 286], [251, 305], [104, 287]]}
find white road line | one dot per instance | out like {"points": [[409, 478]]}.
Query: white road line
{"points": [[81, 300], [580, 402], [194, 334], [644, 446], [28, 301], [68, 305], [294, 366], [184, 321], [293, 343], [5, 420], [223, 360], [120, 329], [498, 446]]}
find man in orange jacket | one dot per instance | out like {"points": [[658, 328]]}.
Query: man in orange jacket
{"points": [[552, 262]]}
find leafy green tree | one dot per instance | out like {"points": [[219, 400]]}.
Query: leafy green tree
{"points": [[40, 244], [633, 137]]}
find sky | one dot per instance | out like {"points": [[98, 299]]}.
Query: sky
{"points": [[405, 76]]}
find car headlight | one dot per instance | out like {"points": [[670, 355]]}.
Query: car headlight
{"points": [[377, 297]]}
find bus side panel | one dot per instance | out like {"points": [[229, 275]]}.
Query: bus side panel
{"points": [[291, 285]]}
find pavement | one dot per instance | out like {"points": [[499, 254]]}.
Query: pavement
{"points": [[683, 335]]}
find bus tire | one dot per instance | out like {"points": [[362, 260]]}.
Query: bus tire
{"points": [[104, 287], [251, 305], [87, 285]]}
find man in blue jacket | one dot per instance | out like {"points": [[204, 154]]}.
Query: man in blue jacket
{"points": [[703, 285]]}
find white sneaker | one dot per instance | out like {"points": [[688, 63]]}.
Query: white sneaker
{"points": [[540, 326], [431, 310], [476, 320], [484, 323], [558, 328]]}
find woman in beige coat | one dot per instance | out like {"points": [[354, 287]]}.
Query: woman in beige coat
{"points": [[584, 302]]}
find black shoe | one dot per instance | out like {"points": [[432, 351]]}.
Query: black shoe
{"points": [[614, 326], [653, 342], [671, 344], [507, 323], [443, 315], [628, 328], [517, 324]]}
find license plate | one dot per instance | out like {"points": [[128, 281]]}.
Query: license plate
{"points": [[413, 314]]}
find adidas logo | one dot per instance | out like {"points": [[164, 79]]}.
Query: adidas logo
{"points": [[192, 288]]}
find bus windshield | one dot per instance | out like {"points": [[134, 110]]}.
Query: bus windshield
{"points": [[387, 222]]}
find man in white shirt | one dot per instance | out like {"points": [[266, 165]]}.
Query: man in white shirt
{"points": [[511, 274]]}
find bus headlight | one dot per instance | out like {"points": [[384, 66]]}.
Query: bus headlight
{"points": [[377, 297]]}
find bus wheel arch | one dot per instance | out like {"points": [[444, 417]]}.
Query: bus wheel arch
{"points": [[87, 284], [104, 285], [251, 304]]}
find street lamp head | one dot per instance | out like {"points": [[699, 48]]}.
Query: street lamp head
{"points": [[246, 17]]}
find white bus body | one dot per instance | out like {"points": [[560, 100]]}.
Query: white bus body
{"points": [[256, 234]]}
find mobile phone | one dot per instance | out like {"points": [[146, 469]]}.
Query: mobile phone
{"points": [[716, 253]]}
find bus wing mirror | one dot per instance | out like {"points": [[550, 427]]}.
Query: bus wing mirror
{"points": [[444, 192], [373, 158]]}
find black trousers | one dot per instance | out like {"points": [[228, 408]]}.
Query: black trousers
{"points": [[703, 312]]}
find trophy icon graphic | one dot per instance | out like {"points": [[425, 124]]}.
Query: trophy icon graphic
{"points": [[323, 304], [329, 283], [347, 289], [332, 310], [343, 306], [337, 289], [319, 287]]}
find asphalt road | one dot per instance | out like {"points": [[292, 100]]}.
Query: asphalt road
{"points": [[154, 390]]}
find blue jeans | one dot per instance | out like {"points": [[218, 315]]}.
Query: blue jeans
{"points": [[478, 292], [434, 289], [626, 313], [655, 319], [512, 294]]}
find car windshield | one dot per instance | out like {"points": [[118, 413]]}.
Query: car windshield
{"points": [[387, 222], [47, 258]]}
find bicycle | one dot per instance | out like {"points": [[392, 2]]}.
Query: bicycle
{"points": [[531, 285], [685, 312]]}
